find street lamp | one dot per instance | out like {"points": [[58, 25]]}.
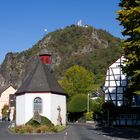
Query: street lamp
{"points": [[88, 103]]}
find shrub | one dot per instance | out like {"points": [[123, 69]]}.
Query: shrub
{"points": [[29, 129], [44, 121], [97, 104], [17, 129], [59, 128], [24, 129], [89, 116], [5, 110], [33, 126], [38, 130], [45, 128], [79, 103], [33, 123], [53, 129]]}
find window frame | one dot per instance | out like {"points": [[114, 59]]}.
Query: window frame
{"points": [[37, 105]]}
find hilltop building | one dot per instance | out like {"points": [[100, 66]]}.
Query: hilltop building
{"points": [[80, 24], [116, 82], [40, 93]]}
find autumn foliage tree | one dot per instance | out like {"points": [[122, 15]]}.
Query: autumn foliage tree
{"points": [[129, 17]]}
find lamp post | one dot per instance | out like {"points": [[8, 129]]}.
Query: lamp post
{"points": [[88, 103]]}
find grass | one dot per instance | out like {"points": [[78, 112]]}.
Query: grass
{"points": [[60, 128]]}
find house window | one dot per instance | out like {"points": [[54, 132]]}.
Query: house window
{"points": [[38, 105]]}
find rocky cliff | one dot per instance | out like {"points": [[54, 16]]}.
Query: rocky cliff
{"points": [[86, 46]]}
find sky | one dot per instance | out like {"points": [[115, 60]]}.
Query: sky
{"points": [[24, 22]]}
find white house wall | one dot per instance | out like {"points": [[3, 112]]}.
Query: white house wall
{"points": [[114, 88], [115, 83], [4, 98]]}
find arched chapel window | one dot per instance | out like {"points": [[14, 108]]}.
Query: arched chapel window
{"points": [[38, 105]]}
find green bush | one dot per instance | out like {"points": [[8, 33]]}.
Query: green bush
{"points": [[33, 126], [97, 104], [59, 128], [44, 121], [5, 110], [89, 116], [33, 123], [79, 103]]}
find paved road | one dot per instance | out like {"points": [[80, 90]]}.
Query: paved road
{"points": [[74, 132]]}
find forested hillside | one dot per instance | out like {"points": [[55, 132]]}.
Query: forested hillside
{"points": [[86, 46]]}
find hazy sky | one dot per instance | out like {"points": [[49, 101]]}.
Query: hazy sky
{"points": [[22, 22]]}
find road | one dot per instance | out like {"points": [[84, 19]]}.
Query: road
{"points": [[73, 132]]}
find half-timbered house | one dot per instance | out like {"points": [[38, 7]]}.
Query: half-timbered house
{"points": [[116, 82]]}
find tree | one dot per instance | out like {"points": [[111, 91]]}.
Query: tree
{"points": [[77, 80], [97, 104], [129, 17], [5, 111], [79, 103], [77, 108]]}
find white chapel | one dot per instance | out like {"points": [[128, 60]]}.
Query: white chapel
{"points": [[40, 92]]}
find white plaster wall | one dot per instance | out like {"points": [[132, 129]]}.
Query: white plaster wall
{"points": [[46, 99], [58, 100], [4, 98], [29, 108], [50, 103], [20, 110]]}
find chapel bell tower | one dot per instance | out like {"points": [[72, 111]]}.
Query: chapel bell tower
{"points": [[45, 57]]}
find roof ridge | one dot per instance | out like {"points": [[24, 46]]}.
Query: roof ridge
{"points": [[46, 77], [32, 72], [3, 88]]}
